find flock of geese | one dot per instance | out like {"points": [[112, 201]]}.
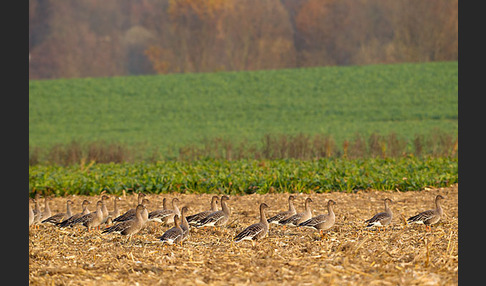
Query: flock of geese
{"points": [[133, 220]]}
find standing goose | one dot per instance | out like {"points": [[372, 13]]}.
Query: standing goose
{"points": [[165, 215], [382, 218], [322, 222], [37, 211], [297, 218], [255, 231], [47, 209], [71, 220], [129, 214], [174, 234], [217, 218], [129, 227], [31, 215], [193, 219], [184, 223], [429, 217], [94, 219], [57, 218], [283, 215], [104, 208], [115, 213]]}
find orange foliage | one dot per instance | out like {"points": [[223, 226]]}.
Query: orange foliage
{"points": [[202, 8], [156, 56]]}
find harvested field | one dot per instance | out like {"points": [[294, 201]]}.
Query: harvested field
{"points": [[348, 255]]}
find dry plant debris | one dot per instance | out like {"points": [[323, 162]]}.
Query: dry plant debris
{"points": [[349, 254]]}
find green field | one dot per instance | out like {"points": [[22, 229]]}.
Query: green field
{"points": [[165, 112], [246, 176]]}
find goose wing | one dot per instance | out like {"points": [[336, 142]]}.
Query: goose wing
{"points": [[211, 219], [128, 215], [422, 217], [279, 217], [193, 219], [55, 218], [293, 220], [377, 218], [172, 235], [251, 232], [312, 222]]}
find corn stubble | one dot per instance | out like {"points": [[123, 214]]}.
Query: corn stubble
{"points": [[349, 254]]}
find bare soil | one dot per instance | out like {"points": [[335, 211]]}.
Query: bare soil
{"points": [[350, 254]]}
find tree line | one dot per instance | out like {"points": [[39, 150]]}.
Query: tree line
{"points": [[93, 38]]}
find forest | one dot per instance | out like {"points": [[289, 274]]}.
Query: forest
{"points": [[91, 38]]}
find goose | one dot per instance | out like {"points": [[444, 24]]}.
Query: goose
{"points": [[104, 208], [115, 213], [31, 215], [283, 215], [429, 217], [322, 222], [37, 212], [93, 219], [129, 227], [255, 231], [57, 218], [47, 209], [297, 218], [217, 218], [129, 214], [165, 215], [174, 234], [193, 219], [71, 220], [382, 218], [184, 223]]}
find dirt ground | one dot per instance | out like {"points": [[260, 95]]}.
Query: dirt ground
{"points": [[348, 255]]}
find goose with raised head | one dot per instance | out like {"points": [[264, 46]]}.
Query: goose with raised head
{"points": [[195, 218], [297, 218], [217, 218], [381, 219], [130, 214], [174, 234], [165, 216], [322, 222], [129, 227], [429, 217], [115, 213], [72, 219], [93, 219], [57, 218], [31, 215], [283, 215], [255, 231]]}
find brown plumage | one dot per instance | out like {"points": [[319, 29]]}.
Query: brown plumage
{"points": [[129, 214], [295, 219], [217, 218], [283, 215], [174, 234], [255, 231], [429, 217], [195, 218], [71, 220], [94, 219], [322, 222], [57, 218], [129, 227], [382, 218], [165, 215]]}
